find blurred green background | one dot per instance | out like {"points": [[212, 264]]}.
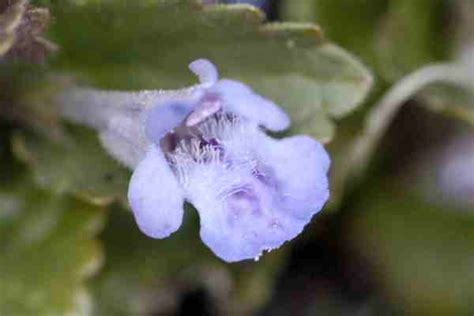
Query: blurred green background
{"points": [[397, 237]]}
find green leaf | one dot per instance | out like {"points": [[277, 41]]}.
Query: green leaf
{"points": [[139, 270], [140, 44], [351, 24], [412, 34], [74, 163], [394, 37], [450, 99], [47, 251], [421, 254], [27, 97], [300, 11]]}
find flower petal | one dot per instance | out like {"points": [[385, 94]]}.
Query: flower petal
{"points": [[299, 165], [124, 139], [164, 117], [155, 196], [240, 215], [205, 70], [241, 100]]}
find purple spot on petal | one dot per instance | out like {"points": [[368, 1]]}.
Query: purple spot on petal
{"points": [[243, 203], [265, 176]]}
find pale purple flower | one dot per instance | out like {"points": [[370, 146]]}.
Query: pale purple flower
{"points": [[252, 192], [257, 3], [455, 176]]}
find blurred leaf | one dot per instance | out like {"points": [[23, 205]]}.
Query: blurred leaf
{"points": [[143, 276], [450, 99], [394, 37], [340, 151], [412, 34], [21, 26], [47, 250], [138, 45], [361, 17], [75, 163], [297, 11], [436, 83], [422, 254], [137, 265], [27, 97]]}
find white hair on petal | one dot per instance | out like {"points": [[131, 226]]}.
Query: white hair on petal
{"points": [[234, 137]]}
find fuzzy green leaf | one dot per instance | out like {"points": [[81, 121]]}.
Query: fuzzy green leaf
{"points": [[394, 37], [47, 252], [74, 163], [138, 45], [27, 97]]}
